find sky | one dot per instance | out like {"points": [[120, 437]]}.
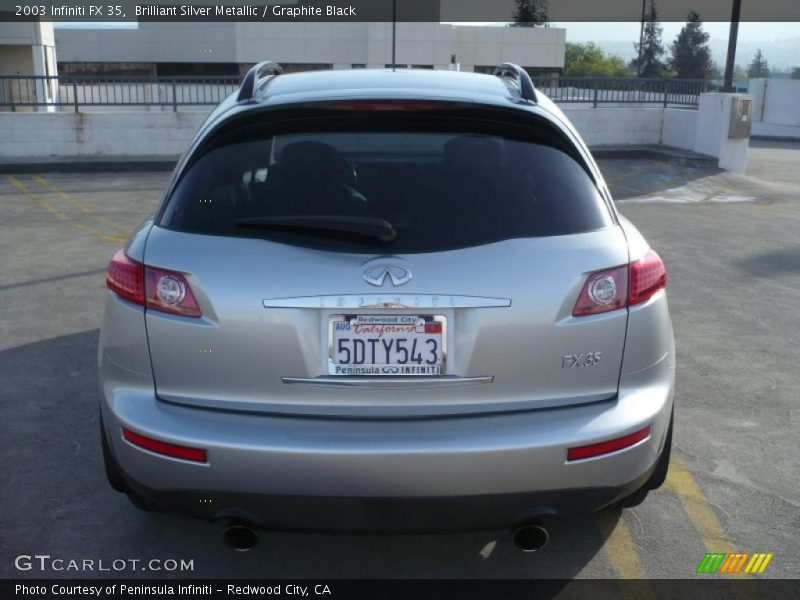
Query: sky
{"points": [[590, 32]]}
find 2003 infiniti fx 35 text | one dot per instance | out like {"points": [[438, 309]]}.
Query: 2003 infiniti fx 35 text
{"points": [[386, 301]]}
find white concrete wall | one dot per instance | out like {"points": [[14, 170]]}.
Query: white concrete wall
{"points": [[164, 133], [97, 134], [713, 124], [611, 126], [776, 107], [678, 128], [774, 130], [130, 133]]}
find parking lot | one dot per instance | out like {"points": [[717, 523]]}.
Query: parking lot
{"points": [[732, 247]]}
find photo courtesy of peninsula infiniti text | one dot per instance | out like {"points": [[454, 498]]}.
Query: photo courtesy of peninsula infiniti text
{"points": [[386, 301]]}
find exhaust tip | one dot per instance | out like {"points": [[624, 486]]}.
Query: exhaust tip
{"points": [[530, 537], [240, 535]]}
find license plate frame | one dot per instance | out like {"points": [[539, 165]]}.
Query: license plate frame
{"points": [[391, 370]]}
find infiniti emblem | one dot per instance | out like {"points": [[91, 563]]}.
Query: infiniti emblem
{"points": [[377, 274]]}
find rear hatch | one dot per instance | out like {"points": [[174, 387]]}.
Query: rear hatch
{"points": [[388, 264]]}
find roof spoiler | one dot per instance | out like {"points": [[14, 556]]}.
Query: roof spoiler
{"points": [[250, 81], [519, 77]]}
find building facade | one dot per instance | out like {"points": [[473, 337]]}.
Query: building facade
{"points": [[213, 48], [27, 48]]}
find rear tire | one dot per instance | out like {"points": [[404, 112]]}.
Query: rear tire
{"points": [[657, 478], [113, 472], [115, 478], [140, 503]]}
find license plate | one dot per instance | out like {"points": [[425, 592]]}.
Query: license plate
{"points": [[387, 345]]}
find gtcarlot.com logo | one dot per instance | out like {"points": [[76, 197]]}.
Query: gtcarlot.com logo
{"points": [[734, 562], [45, 563]]}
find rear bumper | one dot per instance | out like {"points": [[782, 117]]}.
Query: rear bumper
{"points": [[388, 515], [392, 475]]}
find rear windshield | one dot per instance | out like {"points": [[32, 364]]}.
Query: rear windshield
{"points": [[398, 191]]}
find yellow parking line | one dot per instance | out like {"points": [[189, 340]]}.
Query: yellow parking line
{"points": [[697, 507], [622, 554], [78, 204], [59, 214]]}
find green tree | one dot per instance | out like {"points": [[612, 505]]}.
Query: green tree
{"points": [[691, 57], [530, 13], [589, 60], [795, 73], [648, 61], [758, 67]]}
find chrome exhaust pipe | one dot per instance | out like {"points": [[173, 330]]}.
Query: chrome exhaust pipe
{"points": [[240, 535], [530, 536]]}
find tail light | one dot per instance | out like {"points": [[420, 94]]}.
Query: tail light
{"points": [[619, 287], [125, 278], [169, 292], [157, 289], [648, 276], [603, 291]]}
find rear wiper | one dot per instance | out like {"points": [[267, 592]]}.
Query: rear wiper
{"points": [[380, 229]]}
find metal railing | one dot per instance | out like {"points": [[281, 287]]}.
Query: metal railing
{"points": [[170, 93], [74, 93], [622, 90]]}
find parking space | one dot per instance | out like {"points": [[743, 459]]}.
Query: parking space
{"points": [[732, 248]]}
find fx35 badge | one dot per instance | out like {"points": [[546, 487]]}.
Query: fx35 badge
{"points": [[574, 361]]}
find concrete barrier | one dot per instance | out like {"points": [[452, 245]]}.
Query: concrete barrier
{"points": [[70, 134], [713, 128], [678, 128], [143, 134], [615, 126], [96, 134], [776, 107]]}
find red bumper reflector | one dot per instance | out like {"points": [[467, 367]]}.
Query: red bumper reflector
{"points": [[607, 447], [173, 450]]}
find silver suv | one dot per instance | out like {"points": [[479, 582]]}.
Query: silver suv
{"points": [[386, 301]]}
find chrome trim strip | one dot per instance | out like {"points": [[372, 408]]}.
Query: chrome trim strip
{"points": [[413, 301], [393, 382]]}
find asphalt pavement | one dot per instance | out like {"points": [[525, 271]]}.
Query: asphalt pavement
{"points": [[732, 248]]}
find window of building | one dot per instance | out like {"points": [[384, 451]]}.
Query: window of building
{"points": [[299, 67], [197, 69]]}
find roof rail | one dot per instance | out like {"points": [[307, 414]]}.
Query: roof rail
{"points": [[247, 89], [520, 78]]}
